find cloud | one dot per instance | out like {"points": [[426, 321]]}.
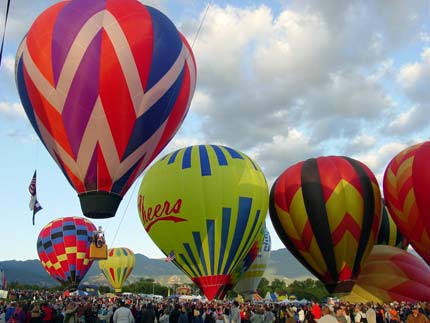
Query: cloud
{"points": [[414, 78], [283, 151], [12, 111]]}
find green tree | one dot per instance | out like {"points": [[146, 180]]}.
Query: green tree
{"points": [[278, 286]]}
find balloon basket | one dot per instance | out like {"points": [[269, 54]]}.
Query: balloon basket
{"points": [[98, 252], [99, 204]]}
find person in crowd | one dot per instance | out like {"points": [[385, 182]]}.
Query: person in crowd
{"points": [[48, 313], [269, 317], [310, 318], [36, 314], [394, 314], [316, 310], [416, 316], [359, 315], [174, 314], [340, 315], [257, 316], [71, 313], [370, 314], [123, 314], [235, 313], [164, 318], [301, 314], [10, 310], [327, 316], [183, 317], [2, 315], [148, 313], [102, 314]]}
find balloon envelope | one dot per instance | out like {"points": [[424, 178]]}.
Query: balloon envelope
{"points": [[105, 90], [327, 213], [392, 274], [117, 267], [248, 283], [389, 234], [63, 248], [205, 206], [406, 191]]}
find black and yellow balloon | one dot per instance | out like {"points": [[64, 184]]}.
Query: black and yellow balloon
{"points": [[327, 212], [204, 207], [389, 234], [117, 267]]}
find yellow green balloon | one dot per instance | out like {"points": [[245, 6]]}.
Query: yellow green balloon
{"points": [[204, 205], [117, 267]]}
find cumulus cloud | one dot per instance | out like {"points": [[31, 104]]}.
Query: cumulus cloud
{"points": [[283, 151], [12, 111], [414, 78]]}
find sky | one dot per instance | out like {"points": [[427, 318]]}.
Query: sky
{"points": [[281, 81]]}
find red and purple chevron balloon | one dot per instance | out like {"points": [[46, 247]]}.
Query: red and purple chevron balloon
{"points": [[106, 85]]}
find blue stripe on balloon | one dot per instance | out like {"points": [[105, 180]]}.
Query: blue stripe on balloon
{"points": [[243, 213], [226, 217], [205, 166], [173, 157], [186, 159], [199, 246], [148, 123], [167, 46], [119, 184], [210, 228], [72, 267], [25, 99], [233, 153], [249, 240], [222, 160], [185, 261], [192, 258]]}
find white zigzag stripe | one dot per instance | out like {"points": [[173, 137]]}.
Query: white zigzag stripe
{"points": [[103, 19], [98, 119]]}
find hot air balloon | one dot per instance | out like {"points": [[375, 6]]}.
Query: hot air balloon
{"points": [[204, 207], [117, 267], [245, 263], [63, 247], [248, 283], [406, 187], [391, 274], [105, 85], [388, 232], [327, 212]]}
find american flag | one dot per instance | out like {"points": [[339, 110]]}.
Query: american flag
{"points": [[170, 257], [34, 203]]}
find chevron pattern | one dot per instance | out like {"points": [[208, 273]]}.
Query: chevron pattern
{"points": [[406, 186], [105, 97], [117, 267], [327, 213]]}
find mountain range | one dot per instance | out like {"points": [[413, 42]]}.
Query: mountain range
{"points": [[282, 265]]}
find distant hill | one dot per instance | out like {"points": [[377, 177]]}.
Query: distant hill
{"points": [[282, 265]]}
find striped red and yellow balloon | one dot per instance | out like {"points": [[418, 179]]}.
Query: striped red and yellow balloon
{"points": [[327, 212], [63, 248], [391, 274], [105, 85], [117, 267], [406, 192]]}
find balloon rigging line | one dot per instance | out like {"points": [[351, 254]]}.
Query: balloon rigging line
{"points": [[201, 24], [125, 211]]}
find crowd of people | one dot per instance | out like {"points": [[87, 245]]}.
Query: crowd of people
{"points": [[45, 307]]}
